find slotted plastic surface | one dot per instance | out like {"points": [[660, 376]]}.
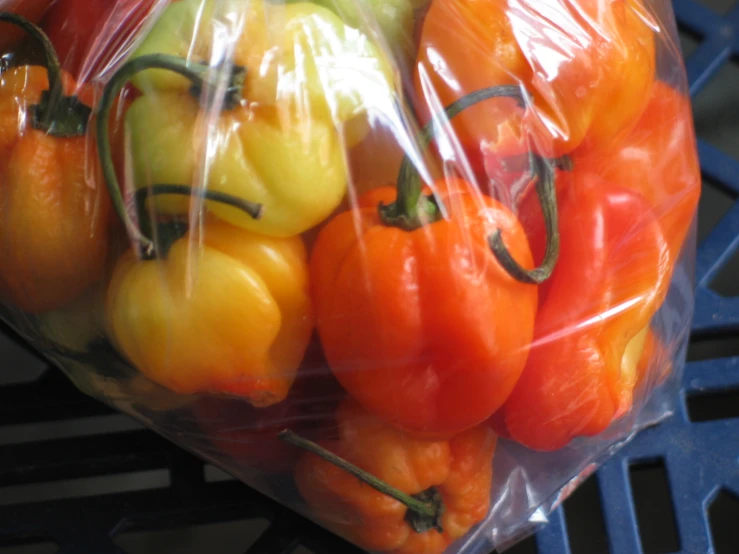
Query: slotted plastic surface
{"points": [[101, 478]]}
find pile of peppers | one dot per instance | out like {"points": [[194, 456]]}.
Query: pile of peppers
{"points": [[357, 254]]}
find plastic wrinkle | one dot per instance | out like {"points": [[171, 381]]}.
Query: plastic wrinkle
{"points": [[286, 232]]}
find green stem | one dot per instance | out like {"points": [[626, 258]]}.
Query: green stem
{"points": [[543, 172], [53, 66], [408, 173], [411, 210], [202, 77], [56, 114], [520, 162], [404, 212], [426, 509], [251, 208]]}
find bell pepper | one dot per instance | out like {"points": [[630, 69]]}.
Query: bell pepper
{"points": [[226, 311], [424, 308], [31, 10], [299, 56], [53, 211], [612, 275], [271, 110], [659, 159], [655, 364], [588, 64], [295, 169], [395, 19], [423, 495], [87, 34], [245, 436], [212, 308]]}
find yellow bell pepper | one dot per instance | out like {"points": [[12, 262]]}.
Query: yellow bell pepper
{"points": [[394, 19], [294, 168], [223, 311], [267, 122], [300, 56], [270, 129]]}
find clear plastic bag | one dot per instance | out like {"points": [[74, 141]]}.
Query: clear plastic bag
{"points": [[413, 268]]}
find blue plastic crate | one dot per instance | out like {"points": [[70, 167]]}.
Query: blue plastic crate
{"points": [[701, 459]]}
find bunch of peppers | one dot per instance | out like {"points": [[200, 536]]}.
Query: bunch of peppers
{"points": [[352, 330]]}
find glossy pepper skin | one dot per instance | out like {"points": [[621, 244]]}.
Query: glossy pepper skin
{"points": [[230, 314], [460, 470], [172, 137], [32, 10], [395, 19], [588, 64], [53, 207], [339, 77], [577, 378], [424, 327], [659, 159], [306, 75], [88, 33]]}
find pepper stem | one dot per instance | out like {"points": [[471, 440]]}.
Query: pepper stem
{"points": [[543, 171], [428, 509], [56, 114], [412, 210], [404, 212], [251, 208], [201, 76]]}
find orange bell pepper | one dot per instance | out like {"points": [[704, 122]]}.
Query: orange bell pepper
{"points": [[588, 64], [424, 326], [611, 277], [53, 212], [424, 316], [444, 486]]}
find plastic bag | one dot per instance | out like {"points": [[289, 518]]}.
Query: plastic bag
{"points": [[412, 268]]}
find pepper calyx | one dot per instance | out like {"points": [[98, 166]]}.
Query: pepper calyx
{"points": [[425, 211], [425, 509], [56, 114], [165, 235], [421, 522], [200, 75], [63, 117], [233, 93]]}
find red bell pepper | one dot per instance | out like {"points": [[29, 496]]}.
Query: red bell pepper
{"points": [[87, 34], [32, 10], [659, 159], [612, 275]]}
